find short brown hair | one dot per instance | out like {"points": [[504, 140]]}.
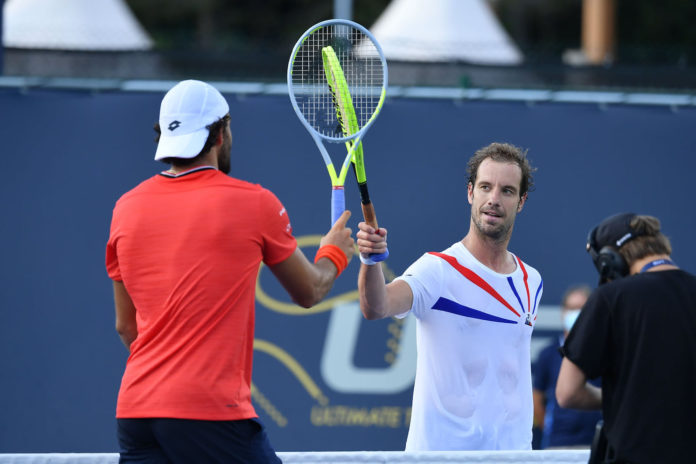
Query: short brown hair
{"points": [[649, 241], [506, 153], [585, 289]]}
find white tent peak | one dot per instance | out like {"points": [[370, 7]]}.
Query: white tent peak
{"points": [[93, 25], [444, 30]]}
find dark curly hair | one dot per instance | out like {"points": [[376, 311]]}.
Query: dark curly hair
{"points": [[506, 153]]}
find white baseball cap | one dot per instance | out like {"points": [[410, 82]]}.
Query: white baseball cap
{"points": [[185, 112]]}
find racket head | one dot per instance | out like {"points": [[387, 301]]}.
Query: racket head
{"points": [[365, 69], [345, 110]]}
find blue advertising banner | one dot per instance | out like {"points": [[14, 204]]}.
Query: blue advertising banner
{"points": [[325, 379]]}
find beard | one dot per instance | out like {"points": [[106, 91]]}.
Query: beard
{"points": [[498, 232], [224, 156]]}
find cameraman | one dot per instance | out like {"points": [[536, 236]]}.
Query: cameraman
{"points": [[638, 332]]}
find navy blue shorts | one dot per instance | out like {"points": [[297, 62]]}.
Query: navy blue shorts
{"points": [[194, 441]]}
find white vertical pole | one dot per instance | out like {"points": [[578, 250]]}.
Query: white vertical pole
{"points": [[343, 9], [2, 45]]}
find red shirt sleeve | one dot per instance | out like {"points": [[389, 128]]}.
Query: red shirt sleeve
{"points": [[112, 266], [278, 241]]}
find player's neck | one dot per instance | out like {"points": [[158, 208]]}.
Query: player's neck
{"points": [[659, 263], [492, 254], [209, 160]]}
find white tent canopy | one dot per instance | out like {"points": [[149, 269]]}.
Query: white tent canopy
{"points": [[444, 30], [94, 25]]}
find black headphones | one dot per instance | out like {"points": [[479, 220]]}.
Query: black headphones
{"points": [[611, 234], [608, 261]]}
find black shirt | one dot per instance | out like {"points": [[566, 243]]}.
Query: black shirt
{"points": [[639, 335]]}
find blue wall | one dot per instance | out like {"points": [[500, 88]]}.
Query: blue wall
{"points": [[68, 155]]}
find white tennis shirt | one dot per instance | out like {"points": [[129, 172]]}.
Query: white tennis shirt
{"points": [[473, 387]]}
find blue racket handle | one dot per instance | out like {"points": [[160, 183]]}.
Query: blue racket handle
{"points": [[338, 203], [379, 257], [374, 258]]}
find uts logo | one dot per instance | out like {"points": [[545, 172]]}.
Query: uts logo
{"points": [[173, 125]]}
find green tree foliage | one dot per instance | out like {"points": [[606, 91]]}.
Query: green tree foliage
{"points": [[252, 39], [222, 25], [656, 32], [647, 31]]}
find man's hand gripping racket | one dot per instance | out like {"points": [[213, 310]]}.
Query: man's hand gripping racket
{"points": [[337, 79]]}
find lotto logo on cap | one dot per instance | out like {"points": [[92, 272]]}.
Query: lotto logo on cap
{"points": [[186, 111]]}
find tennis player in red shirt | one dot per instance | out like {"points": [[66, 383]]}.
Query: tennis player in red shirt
{"points": [[184, 251]]}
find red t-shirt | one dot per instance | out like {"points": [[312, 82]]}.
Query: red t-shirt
{"points": [[188, 251]]}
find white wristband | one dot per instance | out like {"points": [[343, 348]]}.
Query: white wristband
{"points": [[369, 261]]}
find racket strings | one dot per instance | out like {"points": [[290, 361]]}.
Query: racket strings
{"points": [[363, 69]]}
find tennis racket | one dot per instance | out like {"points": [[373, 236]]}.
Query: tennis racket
{"points": [[337, 80], [345, 113]]}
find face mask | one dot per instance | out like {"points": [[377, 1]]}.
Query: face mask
{"points": [[569, 318]]}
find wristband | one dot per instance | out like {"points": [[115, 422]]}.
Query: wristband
{"points": [[335, 254], [369, 261]]}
